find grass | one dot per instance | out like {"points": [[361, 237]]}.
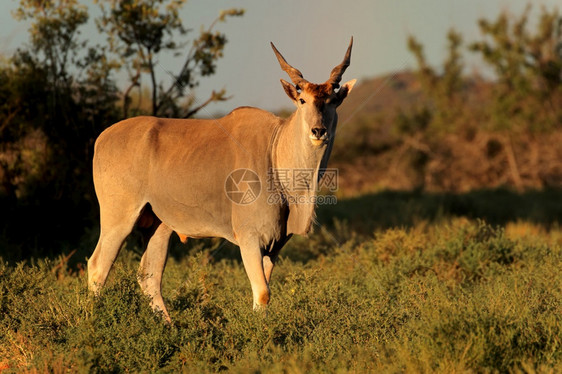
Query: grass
{"points": [[442, 291]]}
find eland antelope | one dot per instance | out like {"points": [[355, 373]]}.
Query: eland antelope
{"points": [[207, 178]]}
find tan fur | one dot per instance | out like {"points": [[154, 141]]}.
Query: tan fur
{"points": [[319, 91]]}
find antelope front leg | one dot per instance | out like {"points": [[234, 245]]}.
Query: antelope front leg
{"points": [[271, 257], [253, 263], [268, 264]]}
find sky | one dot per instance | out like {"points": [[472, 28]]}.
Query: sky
{"points": [[313, 36]]}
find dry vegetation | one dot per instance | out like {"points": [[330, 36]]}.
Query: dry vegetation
{"points": [[456, 163]]}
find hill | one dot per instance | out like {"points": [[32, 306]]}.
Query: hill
{"points": [[390, 91], [382, 142]]}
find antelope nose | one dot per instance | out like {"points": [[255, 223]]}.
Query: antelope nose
{"points": [[319, 132]]}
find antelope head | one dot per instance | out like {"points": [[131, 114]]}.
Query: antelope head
{"points": [[316, 103]]}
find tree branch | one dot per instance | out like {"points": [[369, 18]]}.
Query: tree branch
{"points": [[126, 98], [155, 104], [215, 96]]}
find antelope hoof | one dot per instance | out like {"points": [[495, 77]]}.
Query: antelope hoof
{"points": [[262, 301]]}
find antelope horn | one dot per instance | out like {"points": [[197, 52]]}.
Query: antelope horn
{"points": [[294, 74], [337, 72]]}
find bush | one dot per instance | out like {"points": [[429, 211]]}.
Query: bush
{"points": [[458, 295]]}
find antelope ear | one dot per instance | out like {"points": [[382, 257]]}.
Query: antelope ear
{"points": [[290, 90], [345, 89]]}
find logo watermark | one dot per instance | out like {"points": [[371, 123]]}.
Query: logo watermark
{"points": [[243, 186]]}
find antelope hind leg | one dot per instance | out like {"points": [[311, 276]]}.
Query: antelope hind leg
{"points": [[152, 267], [113, 231]]}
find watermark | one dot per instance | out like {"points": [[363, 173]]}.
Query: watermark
{"points": [[296, 180], [277, 198], [243, 186]]}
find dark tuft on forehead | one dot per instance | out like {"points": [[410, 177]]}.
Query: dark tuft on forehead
{"points": [[320, 91]]}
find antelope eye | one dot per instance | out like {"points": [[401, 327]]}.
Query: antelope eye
{"points": [[302, 101]]}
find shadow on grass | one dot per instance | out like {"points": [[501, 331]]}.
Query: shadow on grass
{"points": [[389, 209], [362, 215], [405, 209]]}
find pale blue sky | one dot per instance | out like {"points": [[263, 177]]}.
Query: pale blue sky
{"points": [[313, 36]]}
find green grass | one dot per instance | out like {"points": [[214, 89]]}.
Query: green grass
{"points": [[439, 293]]}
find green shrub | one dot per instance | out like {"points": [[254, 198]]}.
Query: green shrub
{"points": [[451, 296]]}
